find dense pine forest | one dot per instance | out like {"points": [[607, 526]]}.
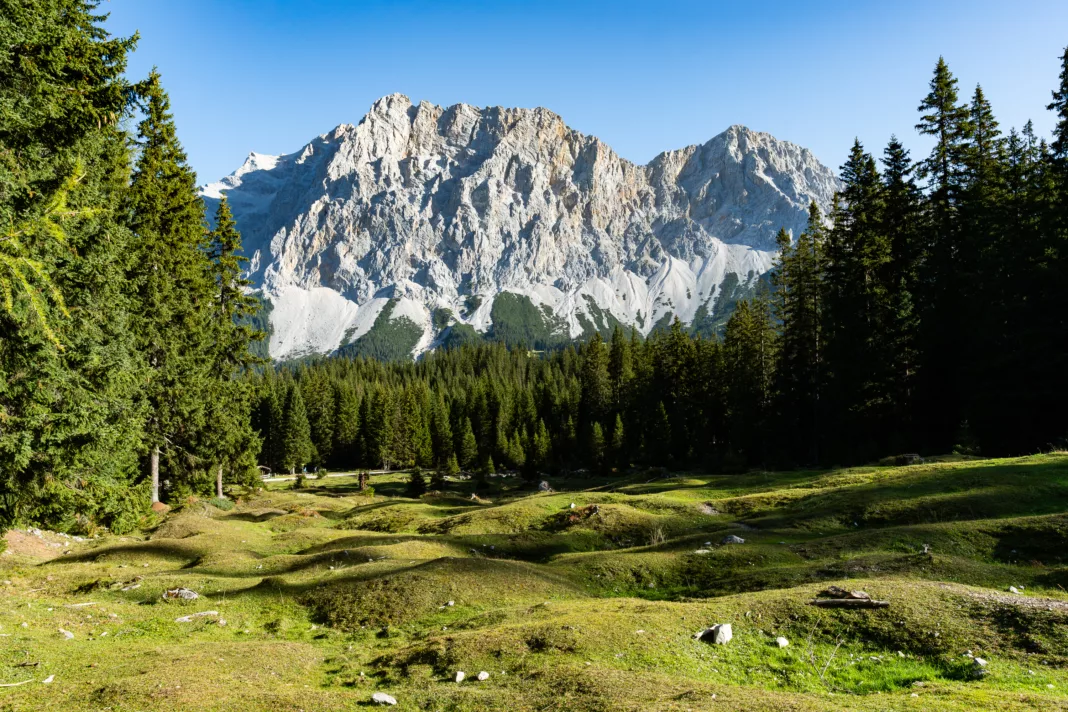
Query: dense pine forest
{"points": [[925, 314]]}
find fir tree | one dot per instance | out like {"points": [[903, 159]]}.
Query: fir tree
{"points": [[346, 419], [71, 422], [416, 483], [297, 448], [948, 123], [468, 455], [169, 275]]}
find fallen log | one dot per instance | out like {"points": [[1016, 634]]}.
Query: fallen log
{"points": [[848, 603]]}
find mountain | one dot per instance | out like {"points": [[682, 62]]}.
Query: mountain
{"points": [[422, 225]]}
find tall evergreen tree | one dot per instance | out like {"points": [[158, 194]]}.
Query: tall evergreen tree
{"points": [[901, 220], [229, 443], [947, 121], [69, 421], [800, 377], [297, 447], [750, 353], [171, 287]]}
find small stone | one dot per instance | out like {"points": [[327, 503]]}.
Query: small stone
{"points": [[1013, 589], [65, 633], [782, 642], [979, 662], [732, 539], [460, 676], [180, 594], [913, 695], [222, 622], [381, 698], [483, 676], [192, 616], [48, 680], [451, 603], [703, 551]]}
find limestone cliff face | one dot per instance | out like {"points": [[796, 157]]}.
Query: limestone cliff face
{"points": [[429, 206]]}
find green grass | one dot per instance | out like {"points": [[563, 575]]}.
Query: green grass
{"points": [[329, 595]]}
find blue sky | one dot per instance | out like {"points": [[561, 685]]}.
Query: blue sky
{"points": [[268, 75]]}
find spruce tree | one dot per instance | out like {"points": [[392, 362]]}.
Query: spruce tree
{"points": [[749, 346], [416, 483], [800, 377], [468, 454], [947, 121], [618, 442], [297, 447], [229, 443], [901, 220], [68, 368], [169, 277], [346, 425]]}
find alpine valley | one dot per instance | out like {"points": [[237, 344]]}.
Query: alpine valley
{"points": [[424, 225]]}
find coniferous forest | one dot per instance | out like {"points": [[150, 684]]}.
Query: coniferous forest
{"points": [[926, 313]]}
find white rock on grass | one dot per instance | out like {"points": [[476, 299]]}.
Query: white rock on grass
{"points": [[782, 642], [732, 539], [483, 676], [193, 616], [48, 680], [65, 633], [460, 676], [720, 634], [381, 698]]}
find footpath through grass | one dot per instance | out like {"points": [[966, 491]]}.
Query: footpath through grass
{"points": [[317, 598]]}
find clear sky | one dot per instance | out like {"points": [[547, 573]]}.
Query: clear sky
{"points": [[269, 75]]}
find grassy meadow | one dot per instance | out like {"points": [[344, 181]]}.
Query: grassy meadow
{"points": [[321, 596]]}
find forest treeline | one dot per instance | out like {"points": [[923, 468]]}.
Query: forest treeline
{"points": [[925, 313]]}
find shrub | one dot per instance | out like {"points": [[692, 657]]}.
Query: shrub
{"points": [[221, 503]]}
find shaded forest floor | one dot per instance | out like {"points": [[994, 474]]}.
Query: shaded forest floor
{"points": [[323, 596]]}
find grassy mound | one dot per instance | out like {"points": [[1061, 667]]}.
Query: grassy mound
{"points": [[583, 599]]}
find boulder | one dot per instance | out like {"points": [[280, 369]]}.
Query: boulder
{"points": [[732, 539], [381, 698], [180, 594], [719, 634]]}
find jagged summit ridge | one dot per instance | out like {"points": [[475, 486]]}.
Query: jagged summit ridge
{"points": [[431, 207]]}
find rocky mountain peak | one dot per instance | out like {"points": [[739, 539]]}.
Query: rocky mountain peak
{"points": [[429, 214]]}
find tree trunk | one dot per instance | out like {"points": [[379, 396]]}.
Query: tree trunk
{"points": [[155, 474], [218, 483]]}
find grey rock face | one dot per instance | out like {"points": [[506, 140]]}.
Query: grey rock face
{"points": [[431, 206]]}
